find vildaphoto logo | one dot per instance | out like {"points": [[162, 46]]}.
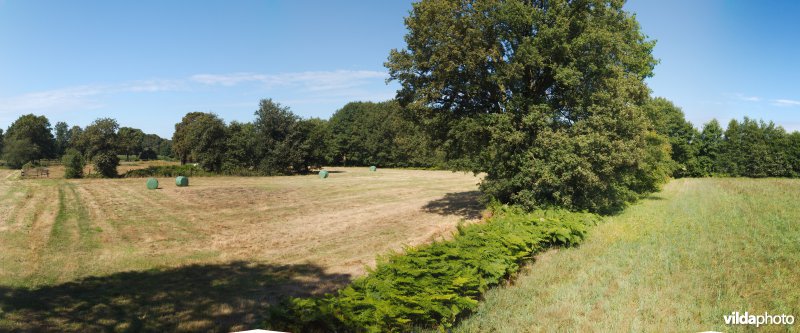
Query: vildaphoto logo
{"points": [[736, 318]]}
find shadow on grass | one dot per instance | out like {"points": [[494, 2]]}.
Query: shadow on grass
{"points": [[197, 298], [314, 172], [463, 204]]}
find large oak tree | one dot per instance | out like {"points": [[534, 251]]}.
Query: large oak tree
{"points": [[543, 96]]}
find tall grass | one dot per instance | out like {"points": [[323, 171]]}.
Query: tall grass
{"points": [[677, 262]]}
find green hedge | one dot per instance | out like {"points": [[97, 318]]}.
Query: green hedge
{"points": [[433, 285], [167, 171]]}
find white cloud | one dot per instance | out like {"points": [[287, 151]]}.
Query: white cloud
{"points": [[66, 98], [774, 102], [317, 85], [317, 81], [785, 102], [227, 79], [153, 86], [749, 98], [352, 96], [81, 97]]}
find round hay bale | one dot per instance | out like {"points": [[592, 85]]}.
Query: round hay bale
{"points": [[373, 168], [182, 181], [152, 183], [323, 174]]}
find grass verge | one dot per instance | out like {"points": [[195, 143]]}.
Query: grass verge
{"points": [[677, 262]]}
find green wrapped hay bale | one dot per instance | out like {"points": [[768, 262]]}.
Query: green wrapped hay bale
{"points": [[182, 181], [323, 174], [373, 168], [152, 183]]}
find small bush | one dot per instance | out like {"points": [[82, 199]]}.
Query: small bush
{"points": [[73, 164], [435, 284], [106, 164], [29, 165]]}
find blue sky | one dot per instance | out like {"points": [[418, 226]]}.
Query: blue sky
{"points": [[726, 59], [147, 63]]}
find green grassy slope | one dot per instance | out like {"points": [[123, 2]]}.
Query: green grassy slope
{"points": [[675, 262]]}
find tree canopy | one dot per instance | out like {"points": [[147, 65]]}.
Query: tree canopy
{"points": [[281, 145], [28, 138], [543, 96], [200, 137], [62, 137], [99, 137], [368, 133], [668, 120], [99, 143], [131, 141]]}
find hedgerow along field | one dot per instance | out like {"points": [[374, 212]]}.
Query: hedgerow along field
{"points": [[675, 262], [108, 254]]}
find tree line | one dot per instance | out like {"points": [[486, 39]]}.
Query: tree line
{"points": [[279, 142], [31, 138], [746, 148], [276, 142], [367, 133]]}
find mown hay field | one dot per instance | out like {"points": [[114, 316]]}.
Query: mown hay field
{"points": [[110, 255]]}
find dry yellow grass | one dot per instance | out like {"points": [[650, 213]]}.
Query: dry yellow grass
{"points": [[234, 236]]}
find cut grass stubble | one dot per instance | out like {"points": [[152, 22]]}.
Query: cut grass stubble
{"points": [[58, 237]]}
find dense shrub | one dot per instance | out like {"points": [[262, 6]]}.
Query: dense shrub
{"points": [[166, 171], [106, 164], [148, 154], [433, 285], [73, 164]]}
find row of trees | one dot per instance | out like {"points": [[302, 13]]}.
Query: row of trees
{"points": [[366, 133], [276, 142], [31, 138], [280, 142], [749, 148]]}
